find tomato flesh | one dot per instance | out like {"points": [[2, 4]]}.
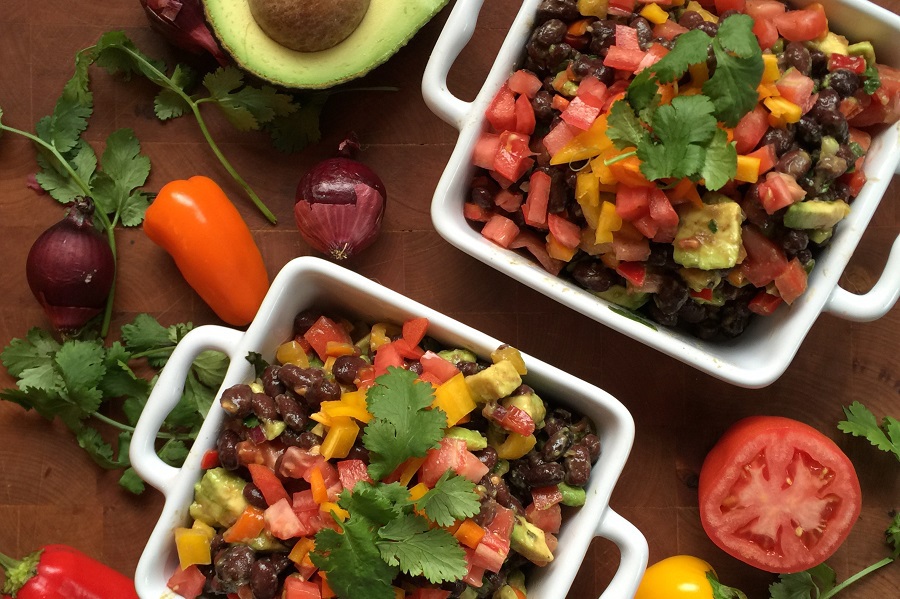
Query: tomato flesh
{"points": [[778, 494]]}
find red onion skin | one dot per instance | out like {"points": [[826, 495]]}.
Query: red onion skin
{"points": [[339, 207], [70, 269], [183, 23]]}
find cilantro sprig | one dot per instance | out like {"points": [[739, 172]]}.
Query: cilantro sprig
{"points": [[683, 139], [78, 381], [860, 422]]}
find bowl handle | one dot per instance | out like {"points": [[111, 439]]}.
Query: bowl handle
{"points": [[878, 301], [456, 34], [165, 396], [634, 554]]}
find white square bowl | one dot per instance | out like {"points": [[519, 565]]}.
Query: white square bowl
{"points": [[311, 282], [765, 350]]}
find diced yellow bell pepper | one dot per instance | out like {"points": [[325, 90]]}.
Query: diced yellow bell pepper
{"points": [[381, 334], [340, 438], [587, 188], [355, 398], [193, 547], [338, 348], [784, 109], [329, 506], [766, 90], [771, 72], [340, 408], [301, 549], [593, 8], [515, 446], [410, 468], [608, 223], [558, 251], [508, 353], [586, 144], [653, 13], [454, 398], [206, 528], [591, 215], [417, 492], [292, 352], [322, 418], [747, 169], [699, 74], [707, 16]]}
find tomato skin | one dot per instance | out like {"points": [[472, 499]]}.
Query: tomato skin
{"points": [[732, 474], [676, 577]]}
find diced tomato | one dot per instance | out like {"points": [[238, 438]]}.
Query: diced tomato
{"points": [[387, 355], [474, 573], [580, 114], [525, 83], [351, 472], [490, 554], [471, 468], [502, 523], [750, 129], [778, 191], [188, 583], [630, 250], [500, 230], [485, 150], [548, 519], [764, 13], [537, 247], [654, 54], [857, 64], [474, 212], [623, 59], [210, 459], [792, 282], [647, 226], [544, 497], [704, 294], [802, 25], [451, 455], [765, 259], [797, 88], [559, 136], [535, 207], [508, 200], [723, 5], [764, 303], [258, 453], [632, 202], [884, 106], [565, 231], [501, 113], [525, 120], [767, 157], [265, 479], [592, 91], [414, 330], [663, 214], [297, 588], [668, 29], [854, 181], [429, 594], [441, 368], [513, 155], [512, 418], [281, 520], [627, 38], [622, 8], [633, 272], [324, 330]]}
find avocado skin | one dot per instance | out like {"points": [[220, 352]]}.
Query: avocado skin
{"points": [[386, 27]]}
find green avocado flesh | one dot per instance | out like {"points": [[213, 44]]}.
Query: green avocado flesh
{"points": [[387, 26]]}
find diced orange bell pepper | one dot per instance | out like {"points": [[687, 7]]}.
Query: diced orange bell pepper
{"points": [[301, 549], [627, 170], [248, 526], [469, 533]]}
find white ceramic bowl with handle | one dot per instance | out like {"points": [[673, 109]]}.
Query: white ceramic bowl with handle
{"points": [[311, 282], [765, 350]]}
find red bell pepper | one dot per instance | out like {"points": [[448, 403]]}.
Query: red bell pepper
{"points": [[61, 572]]}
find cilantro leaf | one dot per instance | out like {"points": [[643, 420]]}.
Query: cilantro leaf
{"points": [[642, 92], [131, 481], [124, 170], [862, 423], [680, 130], [100, 451], [452, 498], [403, 425], [379, 503], [892, 536], [245, 106], [294, 131], [720, 164], [625, 129], [169, 104], [63, 128], [736, 35], [872, 81], [804, 585], [59, 183], [739, 68], [690, 48], [353, 561], [720, 591], [419, 550], [21, 354]]}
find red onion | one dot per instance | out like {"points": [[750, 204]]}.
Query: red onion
{"points": [[182, 22], [340, 204], [70, 269]]}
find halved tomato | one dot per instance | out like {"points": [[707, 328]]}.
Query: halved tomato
{"points": [[778, 494]]}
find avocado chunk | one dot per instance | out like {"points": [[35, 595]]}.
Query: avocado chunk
{"points": [[529, 403], [218, 498], [863, 49], [832, 43], [573, 496], [455, 356], [619, 295], [709, 236], [815, 214], [529, 541], [820, 236], [385, 28], [698, 279], [494, 382], [474, 440]]}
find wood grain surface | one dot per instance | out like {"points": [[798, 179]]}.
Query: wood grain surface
{"points": [[51, 492]]}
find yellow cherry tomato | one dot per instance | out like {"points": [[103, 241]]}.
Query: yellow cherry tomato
{"points": [[676, 577]]}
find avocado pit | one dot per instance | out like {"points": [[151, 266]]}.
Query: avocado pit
{"points": [[308, 25]]}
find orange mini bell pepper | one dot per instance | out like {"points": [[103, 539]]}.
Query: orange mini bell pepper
{"points": [[194, 221]]}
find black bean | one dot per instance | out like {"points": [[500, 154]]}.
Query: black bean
{"points": [[592, 275], [549, 33], [559, 195], [794, 240], [467, 368], [542, 475], [263, 579], [809, 132], [782, 138], [558, 418], [298, 379], [797, 55], [226, 445], [692, 312], [293, 414], [834, 123], [664, 318], [709, 28], [254, 496], [592, 442], [828, 99], [304, 320], [556, 445], [672, 294], [236, 400], [346, 368], [844, 81], [482, 196], [644, 31], [578, 465], [272, 385], [690, 19], [217, 544], [567, 10], [358, 452], [819, 64], [603, 35], [734, 319], [829, 168], [324, 390], [795, 163], [488, 508], [233, 566], [487, 456], [264, 406]]}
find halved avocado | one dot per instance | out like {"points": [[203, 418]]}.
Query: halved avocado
{"points": [[386, 27]]}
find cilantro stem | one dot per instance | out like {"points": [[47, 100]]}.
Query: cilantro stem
{"points": [[99, 214], [616, 159], [855, 577], [161, 78], [124, 427]]}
